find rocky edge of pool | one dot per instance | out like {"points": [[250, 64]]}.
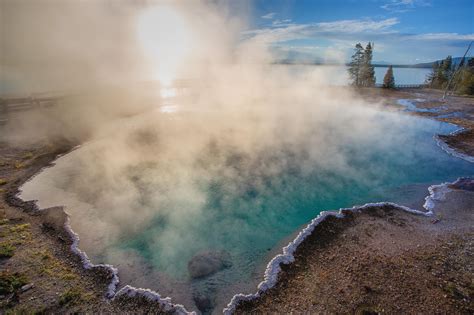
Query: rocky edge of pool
{"points": [[379, 259]]}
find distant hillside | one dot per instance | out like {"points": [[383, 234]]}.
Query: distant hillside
{"points": [[310, 60], [456, 61]]}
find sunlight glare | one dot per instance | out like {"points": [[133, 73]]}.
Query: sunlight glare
{"points": [[165, 37]]}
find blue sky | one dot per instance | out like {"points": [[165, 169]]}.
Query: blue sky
{"points": [[404, 31]]}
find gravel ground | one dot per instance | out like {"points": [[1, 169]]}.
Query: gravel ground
{"points": [[382, 260], [38, 271], [385, 260]]}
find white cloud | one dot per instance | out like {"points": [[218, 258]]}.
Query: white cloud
{"points": [[443, 36], [346, 30], [343, 34], [281, 22], [399, 6], [357, 26], [272, 35], [268, 16], [285, 30]]}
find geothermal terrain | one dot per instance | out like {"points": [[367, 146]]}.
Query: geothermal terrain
{"points": [[379, 259]]}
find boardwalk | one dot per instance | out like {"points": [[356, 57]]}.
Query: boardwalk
{"points": [[11, 105], [406, 86]]}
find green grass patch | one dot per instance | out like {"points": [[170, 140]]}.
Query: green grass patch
{"points": [[3, 181], [56, 270], [6, 250], [28, 156], [11, 282], [52, 267], [19, 227], [70, 296], [19, 165], [45, 255]]}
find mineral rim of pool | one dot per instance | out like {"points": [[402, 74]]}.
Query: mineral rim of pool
{"points": [[203, 231]]}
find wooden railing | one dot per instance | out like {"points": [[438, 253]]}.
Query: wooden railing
{"points": [[406, 86], [9, 105]]}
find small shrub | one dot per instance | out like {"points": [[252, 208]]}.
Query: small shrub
{"points": [[11, 282], [454, 291], [3, 181], [19, 165], [6, 250], [45, 256]]}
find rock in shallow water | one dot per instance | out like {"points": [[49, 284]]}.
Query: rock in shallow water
{"points": [[206, 263], [203, 302]]}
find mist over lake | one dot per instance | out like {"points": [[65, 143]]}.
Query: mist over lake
{"points": [[337, 75]]}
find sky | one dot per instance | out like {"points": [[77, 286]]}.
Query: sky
{"points": [[404, 31]]}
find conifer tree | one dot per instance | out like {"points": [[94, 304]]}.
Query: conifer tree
{"points": [[367, 72], [463, 81], [465, 85], [431, 78], [448, 67], [441, 73], [355, 65], [388, 79]]}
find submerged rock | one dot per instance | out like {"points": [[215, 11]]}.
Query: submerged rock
{"points": [[206, 263], [203, 302]]}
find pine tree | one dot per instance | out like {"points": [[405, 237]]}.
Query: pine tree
{"points": [[463, 82], [388, 79], [441, 73], [355, 64], [466, 79], [431, 78], [448, 66], [367, 72]]}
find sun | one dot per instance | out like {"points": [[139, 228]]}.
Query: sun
{"points": [[165, 36]]}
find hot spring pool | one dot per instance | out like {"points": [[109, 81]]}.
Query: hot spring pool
{"points": [[147, 206]]}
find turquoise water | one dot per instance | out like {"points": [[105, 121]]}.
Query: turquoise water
{"points": [[250, 216], [227, 198]]}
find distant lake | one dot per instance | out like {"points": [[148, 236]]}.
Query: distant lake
{"points": [[403, 75], [337, 75], [333, 74]]}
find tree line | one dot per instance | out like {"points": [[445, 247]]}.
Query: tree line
{"points": [[460, 78], [361, 70], [444, 75]]}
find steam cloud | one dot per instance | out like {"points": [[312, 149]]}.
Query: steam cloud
{"points": [[241, 124]]}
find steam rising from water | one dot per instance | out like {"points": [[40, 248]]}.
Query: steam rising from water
{"points": [[173, 168]]}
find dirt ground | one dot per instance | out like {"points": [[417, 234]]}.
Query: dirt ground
{"points": [[385, 260], [382, 260], [38, 271]]}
